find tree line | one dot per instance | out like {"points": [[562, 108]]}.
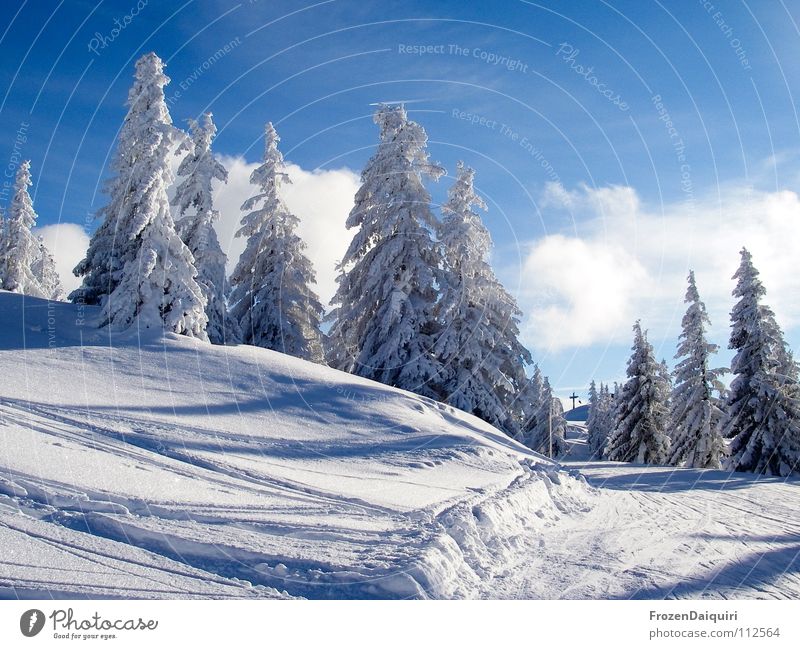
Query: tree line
{"points": [[651, 420], [417, 304]]}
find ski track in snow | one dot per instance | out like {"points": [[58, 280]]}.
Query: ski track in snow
{"points": [[161, 467]]}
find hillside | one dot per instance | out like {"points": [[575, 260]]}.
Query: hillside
{"points": [[144, 465], [150, 465]]}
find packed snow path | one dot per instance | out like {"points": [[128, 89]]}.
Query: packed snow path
{"points": [[658, 532], [162, 467]]}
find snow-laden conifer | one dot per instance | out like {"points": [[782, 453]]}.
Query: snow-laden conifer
{"points": [[696, 417], [21, 249], [642, 416], [762, 412], [44, 269], [384, 325], [600, 421], [194, 200], [271, 295], [483, 362], [137, 267], [545, 431]]}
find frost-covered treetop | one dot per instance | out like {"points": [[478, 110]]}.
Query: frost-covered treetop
{"points": [[268, 177], [199, 168], [392, 198], [464, 234], [21, 204]]}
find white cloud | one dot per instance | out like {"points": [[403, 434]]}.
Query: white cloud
{"points": [[630, 261], [67, 243], [321, 199]]}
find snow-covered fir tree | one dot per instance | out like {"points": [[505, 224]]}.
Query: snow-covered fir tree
{"points": [[600, 421], [605, 420], [528, 404], [594, 411], [483, 362], [762, 412], [271, 295], [384, 325], [642, 416], [696, 416], [193, 198], [137, 267], [545, 431], [44, 269], [22, 250]]}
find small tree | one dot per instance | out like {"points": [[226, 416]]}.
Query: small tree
{"points": [[640, 431], [271, 298], [483, 362], [545, 428], [601, 418], [696, 414], [384, 325], [762, 409], [193, 197], [44, 269], [22, 250]]}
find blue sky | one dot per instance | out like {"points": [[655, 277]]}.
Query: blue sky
{"points": [[680, 145]]}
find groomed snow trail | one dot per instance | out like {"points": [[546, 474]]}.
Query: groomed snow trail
{"points": [[659, 532]]}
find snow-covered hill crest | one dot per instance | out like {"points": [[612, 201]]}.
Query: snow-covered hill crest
{"points": [[151, 465]]}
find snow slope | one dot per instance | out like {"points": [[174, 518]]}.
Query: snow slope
{"points": [[145, 465], [150, 466]]}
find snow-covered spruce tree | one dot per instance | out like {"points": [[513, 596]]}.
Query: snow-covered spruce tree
{"points": [[527, 405], [271, 298], [483, 362], [21, 248], [762, 412], [547, 428], [193, 197], [696, 416], [44, 269], [137, 267], [642, 416], [601, 418], [593, 415], [384, 324], [606, 419]]}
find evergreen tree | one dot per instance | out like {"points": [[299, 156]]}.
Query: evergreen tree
{"points": [[640, 430], [271, 298], [483, 362], [21, 248], [594, 410], [762, 408], [384, 324], [546, 429], [528, 405], [44, 269], [198, 170], [137, 267], [696, 415], [601, 418]]}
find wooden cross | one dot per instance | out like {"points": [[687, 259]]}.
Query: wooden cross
{"points": [[574, 398]]}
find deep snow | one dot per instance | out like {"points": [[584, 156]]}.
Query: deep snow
{"points": [[144, 465], [237, 466]]}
